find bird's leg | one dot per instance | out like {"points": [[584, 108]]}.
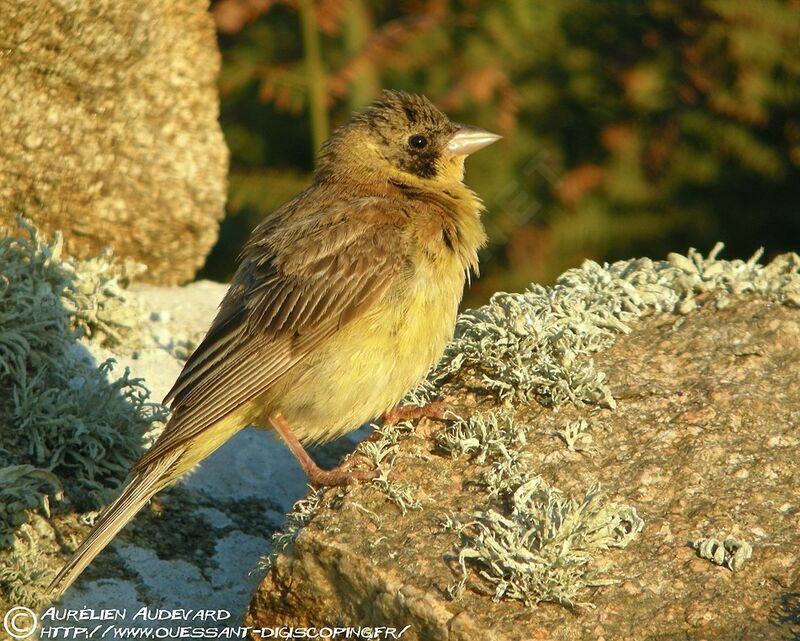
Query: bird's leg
{"points": [[316, 475], [435, 410]]}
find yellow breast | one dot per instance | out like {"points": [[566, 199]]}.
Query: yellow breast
{"points": [[367, 367]]}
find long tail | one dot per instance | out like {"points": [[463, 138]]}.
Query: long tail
{"points": [[144, 484]]}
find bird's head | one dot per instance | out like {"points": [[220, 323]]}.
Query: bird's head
{"points": [[404, 136]]}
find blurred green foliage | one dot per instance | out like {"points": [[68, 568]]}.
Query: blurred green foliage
{"points": [[631, 126]]}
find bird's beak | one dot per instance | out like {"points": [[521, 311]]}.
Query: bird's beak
{"points": [[468, 140]]}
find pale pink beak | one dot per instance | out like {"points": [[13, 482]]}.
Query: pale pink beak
{"points": [[468, 140]]}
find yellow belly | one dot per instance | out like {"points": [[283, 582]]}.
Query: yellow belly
{"points": [[368, 366]]}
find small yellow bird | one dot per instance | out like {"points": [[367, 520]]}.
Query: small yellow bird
{"points": [[343, 299]]}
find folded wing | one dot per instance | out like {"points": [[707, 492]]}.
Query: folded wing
{"points": [[281, 306]]}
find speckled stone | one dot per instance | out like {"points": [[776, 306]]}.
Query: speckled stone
{"points": [[108, 117]]}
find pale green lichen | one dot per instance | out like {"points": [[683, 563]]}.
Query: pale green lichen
{"points": [[380, 450], [484, 435], [730, 552], [539, 546], [576, 437], [78, 424], [544, 549], [401, 494], [23, 572], [423, 393], [302, 512], [97, 301], [62, 423], [382, 445], [537, 345], [23, 488], [506, 474], [495, 438]]}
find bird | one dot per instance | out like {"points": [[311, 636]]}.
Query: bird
{"points": [[343, 299]]}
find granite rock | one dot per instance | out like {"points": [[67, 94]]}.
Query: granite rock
{"points": [[704, 441], [109, 128]]}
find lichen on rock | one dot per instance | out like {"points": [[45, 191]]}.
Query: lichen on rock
{"points": [[729, 552], [301, 513], [23, 572], [529, 543], [543, 549], [65, 422], [23, 488], [537, 345], [674, 342]]}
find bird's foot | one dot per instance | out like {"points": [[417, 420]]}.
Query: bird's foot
{"points": [[318, 477], [435, 410], [339, 476]]}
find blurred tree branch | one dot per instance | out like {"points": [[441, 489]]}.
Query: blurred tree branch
{"points": [[315, 75]]}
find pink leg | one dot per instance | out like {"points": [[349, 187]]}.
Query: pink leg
{"points": [[317, 476]]}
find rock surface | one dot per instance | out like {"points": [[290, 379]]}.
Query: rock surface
{"points": [[704, 442], [109, 128]]}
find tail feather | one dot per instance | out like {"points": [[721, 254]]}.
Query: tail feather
{"points": [[135, 494]]}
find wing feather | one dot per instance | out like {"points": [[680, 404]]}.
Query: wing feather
{"points": [[277, 310]]}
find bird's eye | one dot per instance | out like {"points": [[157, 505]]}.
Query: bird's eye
{"points": [[417, 141]]}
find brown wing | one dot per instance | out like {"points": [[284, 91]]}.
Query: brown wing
{"points": [[280, 306]]}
